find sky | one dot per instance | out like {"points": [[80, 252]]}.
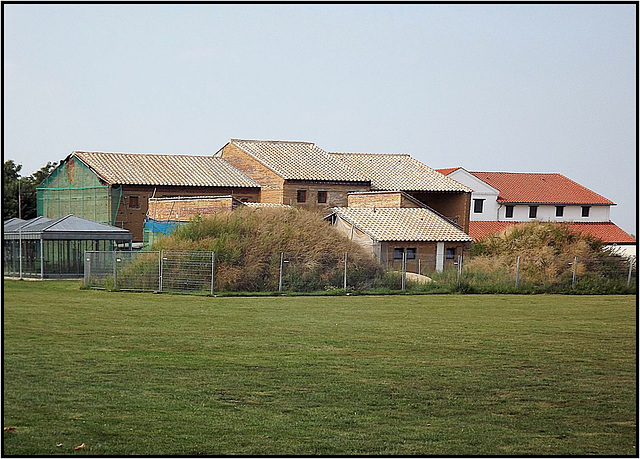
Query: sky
{"points": [[487, 87]]}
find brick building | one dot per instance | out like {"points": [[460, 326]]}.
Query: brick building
{"points": [[114, 188]]}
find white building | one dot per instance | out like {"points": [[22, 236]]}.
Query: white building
{"points": [[502, 198]]}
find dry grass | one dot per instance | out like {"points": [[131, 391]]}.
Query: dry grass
{"points": [[248, 243]]}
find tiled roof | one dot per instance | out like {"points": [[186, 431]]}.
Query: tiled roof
{"points": [[607, 232], [537, 188], [399, 172], [258, 205], [298, 160], [448, 170], [402, 224], [172, 170]]}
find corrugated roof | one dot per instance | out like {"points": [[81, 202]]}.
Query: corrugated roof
{"points": [[399, 172], [171, 170], [535, 188], [298, 160], [13, 223], [402, 224], [607, 232], [67, 227]]}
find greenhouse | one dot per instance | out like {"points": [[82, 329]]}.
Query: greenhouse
{"points": [[54, 248]]}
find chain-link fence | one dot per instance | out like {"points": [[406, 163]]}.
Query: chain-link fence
{"points": [[200, 272], [153, 271]]}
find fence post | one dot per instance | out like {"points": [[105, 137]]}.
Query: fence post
{"points": [[419, 267], [345, 271], [160, 257], [631, 262], [517, 272], [459, 269], [404, 270], [280, 279], [575, 271], [213, 270], [114, 271]]}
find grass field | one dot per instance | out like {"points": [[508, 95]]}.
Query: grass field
{"points": [[149, 374]]}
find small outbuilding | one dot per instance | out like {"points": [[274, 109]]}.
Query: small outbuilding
{"points": [[54, 248], [394, 226]]}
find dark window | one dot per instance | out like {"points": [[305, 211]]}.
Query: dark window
{"points": [[450, 254], [508, 212], [559, 211], [322, 196], [585, 211], [533, 211], [397, 254], [134, 202], [477, 206], [301, 196], [411, 254]]}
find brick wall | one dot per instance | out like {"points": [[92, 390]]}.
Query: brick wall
{"points": [[131, 216], [272, 184], [184, 209], [390, 199], [453, 205], [425, 253], [336, 193]]}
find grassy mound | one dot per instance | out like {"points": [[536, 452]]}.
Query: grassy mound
{"points": [[547, 252], [248, 243]]}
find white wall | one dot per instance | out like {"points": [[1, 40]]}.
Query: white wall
{"points": [[493, 211], [480, 191], [548, 213], [626, 251]]}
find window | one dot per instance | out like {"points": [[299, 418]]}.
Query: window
{"points": [[477, 206], [397, 254], [411, 254], [559, 211], [134, 202], [508, 212], [450, 254], [585, 211], [301, 196], [533, 211], [322, 197]]}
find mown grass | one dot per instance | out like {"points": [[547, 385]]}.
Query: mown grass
{"points": [[148, 374]]}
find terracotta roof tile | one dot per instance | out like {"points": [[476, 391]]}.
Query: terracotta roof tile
{"points": [[402, 224], [447, 170], [607, 232], [540, 189], [399, 172], [156, 169]]}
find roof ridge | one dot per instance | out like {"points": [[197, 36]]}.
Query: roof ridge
{"points": [[367, 154], [143, 154], [272, 141]]}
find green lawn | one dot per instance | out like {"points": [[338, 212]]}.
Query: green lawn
{"points": [[149, 374]]}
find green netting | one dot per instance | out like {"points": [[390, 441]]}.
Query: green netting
{"points": [[75, 189]]}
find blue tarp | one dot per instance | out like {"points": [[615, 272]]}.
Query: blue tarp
{"points": [[160, 226]]}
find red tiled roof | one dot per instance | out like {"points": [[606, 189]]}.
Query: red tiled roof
{"points": [[608, 232], [447, 170], [540, 188]]}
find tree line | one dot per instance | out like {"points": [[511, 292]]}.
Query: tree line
{"points": [[13, 182]]}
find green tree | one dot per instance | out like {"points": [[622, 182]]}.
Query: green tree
{"points": [[12, 182], [10, 179]]}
